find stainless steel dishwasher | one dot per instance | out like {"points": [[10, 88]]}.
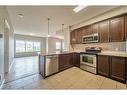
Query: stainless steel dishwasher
{"points": [[51, 64]]}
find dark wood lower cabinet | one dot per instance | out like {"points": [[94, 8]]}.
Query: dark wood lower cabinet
{"points": [[76, 59], [103, 65], [64, 61], [112, 67], [68, 60], [117, 68]]}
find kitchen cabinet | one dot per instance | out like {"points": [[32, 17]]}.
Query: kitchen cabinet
{"points": [[79, 36], [76, 36], [116, 30], [86, 30], [65, 61], [94, 28], [117, 68], [104, 31], [103, 65], [76, 59], [111, 30], [112, 67], [126, 27], [73, 39]]}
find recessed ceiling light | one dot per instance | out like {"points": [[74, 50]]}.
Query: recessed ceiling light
{"points": [[32, 34], [79, 8], [21, 15]]}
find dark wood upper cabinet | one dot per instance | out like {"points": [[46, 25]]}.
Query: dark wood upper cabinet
{"points": [[117, 29], [76, 36], [86, 30], [73, 39], [94, 28], [117, 68], [126, 27], [111, 30], [103, 65], [79, 35], [104, 31]]}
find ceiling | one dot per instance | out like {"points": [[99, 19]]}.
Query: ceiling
{"points": [[35, 20]]}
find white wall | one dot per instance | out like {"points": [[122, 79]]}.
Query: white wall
{"points": [[42, 40], [51, 44], [1, 44], [4, 15], [66, 35]]}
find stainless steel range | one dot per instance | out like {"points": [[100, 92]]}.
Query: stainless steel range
{"points": [[88, 59]]}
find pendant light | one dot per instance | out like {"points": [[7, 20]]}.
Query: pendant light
{"points": [[62, 27], [48, 27]]}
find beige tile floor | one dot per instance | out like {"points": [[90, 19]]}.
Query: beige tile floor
{"points": [[73, 78], [22, 67]]}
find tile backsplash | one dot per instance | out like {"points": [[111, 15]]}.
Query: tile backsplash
{"points": [[113, 46]]}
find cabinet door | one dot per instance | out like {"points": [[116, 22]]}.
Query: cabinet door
{"points": [[64, 61], [103, 65], [73, 37], [76, 59], [79, 35], [86, 30], [94, 28], [117, 68], [117, 29], [104, 31], [126, 27]]}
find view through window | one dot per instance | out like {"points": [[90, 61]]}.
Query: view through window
{"points": [[58, 45], [27, 46]]}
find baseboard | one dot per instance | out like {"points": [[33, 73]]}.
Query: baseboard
{"points": [[1, 86], [11, 65]]}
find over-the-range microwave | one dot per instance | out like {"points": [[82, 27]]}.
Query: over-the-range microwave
{"points": [[93, 38]]}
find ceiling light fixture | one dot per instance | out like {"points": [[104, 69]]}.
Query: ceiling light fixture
{"points": [[21, 15], [32, 34], [62, 27], [79, 8], [48, 27]]}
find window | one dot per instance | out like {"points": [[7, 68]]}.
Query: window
{"points": [[58, 45], [29, 46], [36, 46], [20, 46], [63, 46]]}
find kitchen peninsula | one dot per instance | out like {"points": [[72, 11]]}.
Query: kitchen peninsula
{"points": [[50, 64]]}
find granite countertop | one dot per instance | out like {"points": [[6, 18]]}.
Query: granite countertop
{"points": [[114, 53], [48, 54], [110, 53]]}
